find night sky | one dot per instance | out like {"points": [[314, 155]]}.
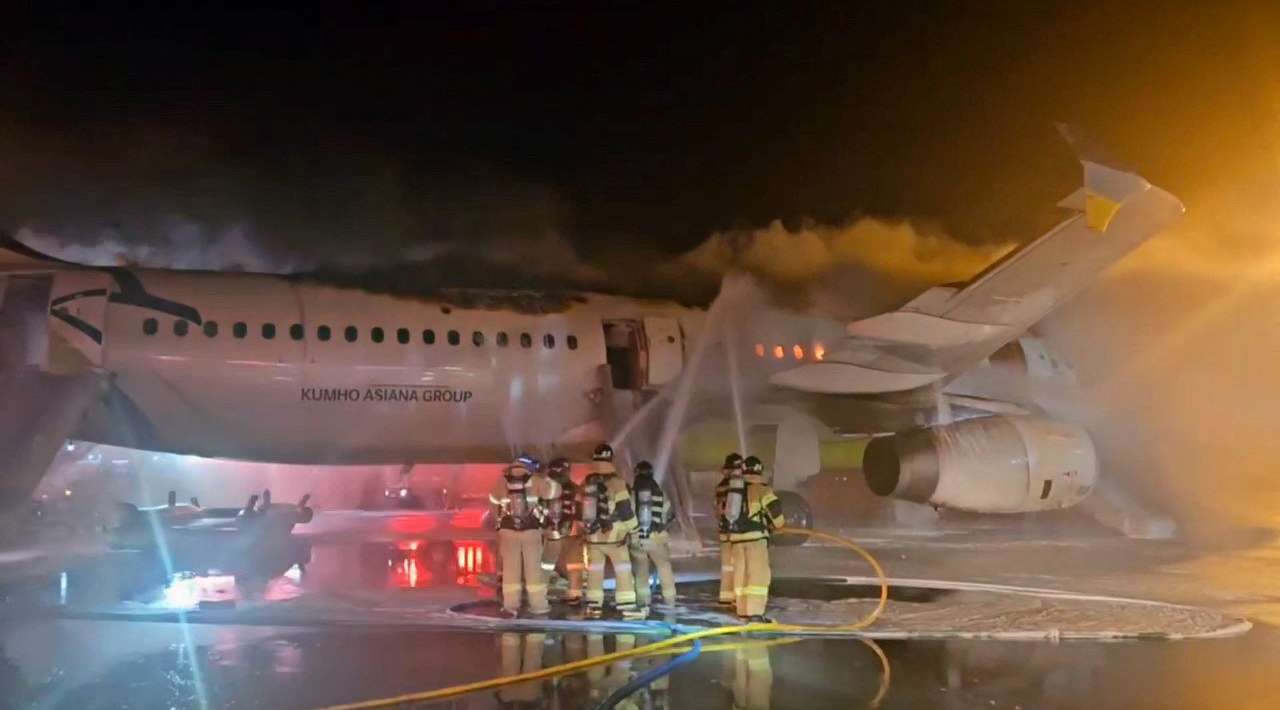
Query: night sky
{"points": [[324, 132]]}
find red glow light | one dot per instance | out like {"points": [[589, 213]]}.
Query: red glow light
{"points": [[411, 524], [473, 560], [470, 518]]}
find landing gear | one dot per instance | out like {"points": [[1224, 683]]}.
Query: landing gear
{"points": [[798, 514]]}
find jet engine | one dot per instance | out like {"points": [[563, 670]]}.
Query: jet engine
{"points": [[999, 464], [1030, 356]]}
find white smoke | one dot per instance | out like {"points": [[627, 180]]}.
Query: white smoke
{"points": [[186, 244]]}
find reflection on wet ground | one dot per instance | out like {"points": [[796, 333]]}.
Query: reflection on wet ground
{"points": [[105, 664], [59, 660], [284, 570]]}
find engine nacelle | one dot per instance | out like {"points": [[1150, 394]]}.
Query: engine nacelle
{"points": [[1030, 356], [1000, 464]]}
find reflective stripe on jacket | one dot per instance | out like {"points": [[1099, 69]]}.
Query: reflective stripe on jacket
{"points": [[762, 511]]}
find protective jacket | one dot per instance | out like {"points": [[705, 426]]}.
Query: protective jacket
{"points": [[605, 493], [520, 499], [761, 512]]}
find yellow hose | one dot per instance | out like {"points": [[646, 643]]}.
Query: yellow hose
{"points": [[667, 645]]}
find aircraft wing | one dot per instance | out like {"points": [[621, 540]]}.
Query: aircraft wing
{"points": [[947, 330]]}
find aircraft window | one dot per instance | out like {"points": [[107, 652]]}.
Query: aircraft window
{"points": [[240, 329], [778, 352], [296, 331], [502, 339], [477, 338], [819, 351], [150, 326], [572, 342], [454, 338], [179, 327], [798, 352], [526, 340], [268, 331], [548, 341], [211, 328], [402, 336], [429, 336], [759, 349], [376, 334], [324, 332], [351, 333]]}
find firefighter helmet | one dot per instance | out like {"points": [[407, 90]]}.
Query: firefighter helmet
{"points": [[753, 464], [603, 452], [558, 466], [528, 462], [733, 460], [644, 468]]}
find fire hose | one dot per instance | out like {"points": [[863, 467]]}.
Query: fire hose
{"points": [[672, 645]]}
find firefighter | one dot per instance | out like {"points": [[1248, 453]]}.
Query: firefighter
{"points": [[562, 539], [520, 502], [607, 518], [650, 539], [752, 512], [732, 469]]}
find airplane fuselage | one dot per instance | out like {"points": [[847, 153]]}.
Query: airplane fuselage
{"points": [[277, 369]]}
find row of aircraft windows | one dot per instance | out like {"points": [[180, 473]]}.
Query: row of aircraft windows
{"points": [[351, 334], [819, 351]]}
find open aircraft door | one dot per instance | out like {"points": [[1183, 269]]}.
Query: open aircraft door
{"points": [[644, 354], [665, 344]]}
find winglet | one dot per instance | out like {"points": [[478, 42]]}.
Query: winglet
{"points": [[1106, 185], [1105, 189]]}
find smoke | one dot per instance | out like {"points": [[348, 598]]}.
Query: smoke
{"points": [[849, 270], [1176, 349], [184, 244]]}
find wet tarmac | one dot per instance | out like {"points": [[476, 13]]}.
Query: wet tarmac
{"points": [[110, 664], [321, 619]]}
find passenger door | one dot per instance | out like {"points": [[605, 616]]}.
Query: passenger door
{"points": [[665, 345]]}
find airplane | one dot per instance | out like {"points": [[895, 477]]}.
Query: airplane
{"points": [[309, 369], [259, 521]]}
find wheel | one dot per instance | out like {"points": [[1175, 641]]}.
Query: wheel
{"points": [[798, 514]]}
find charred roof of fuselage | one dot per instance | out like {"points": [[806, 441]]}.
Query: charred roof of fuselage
{"points": [[477, 284]]}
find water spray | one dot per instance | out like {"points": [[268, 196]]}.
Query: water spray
{"points": [[731, 354]]}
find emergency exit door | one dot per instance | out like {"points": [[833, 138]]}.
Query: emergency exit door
{"points": [[665, 345]]}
